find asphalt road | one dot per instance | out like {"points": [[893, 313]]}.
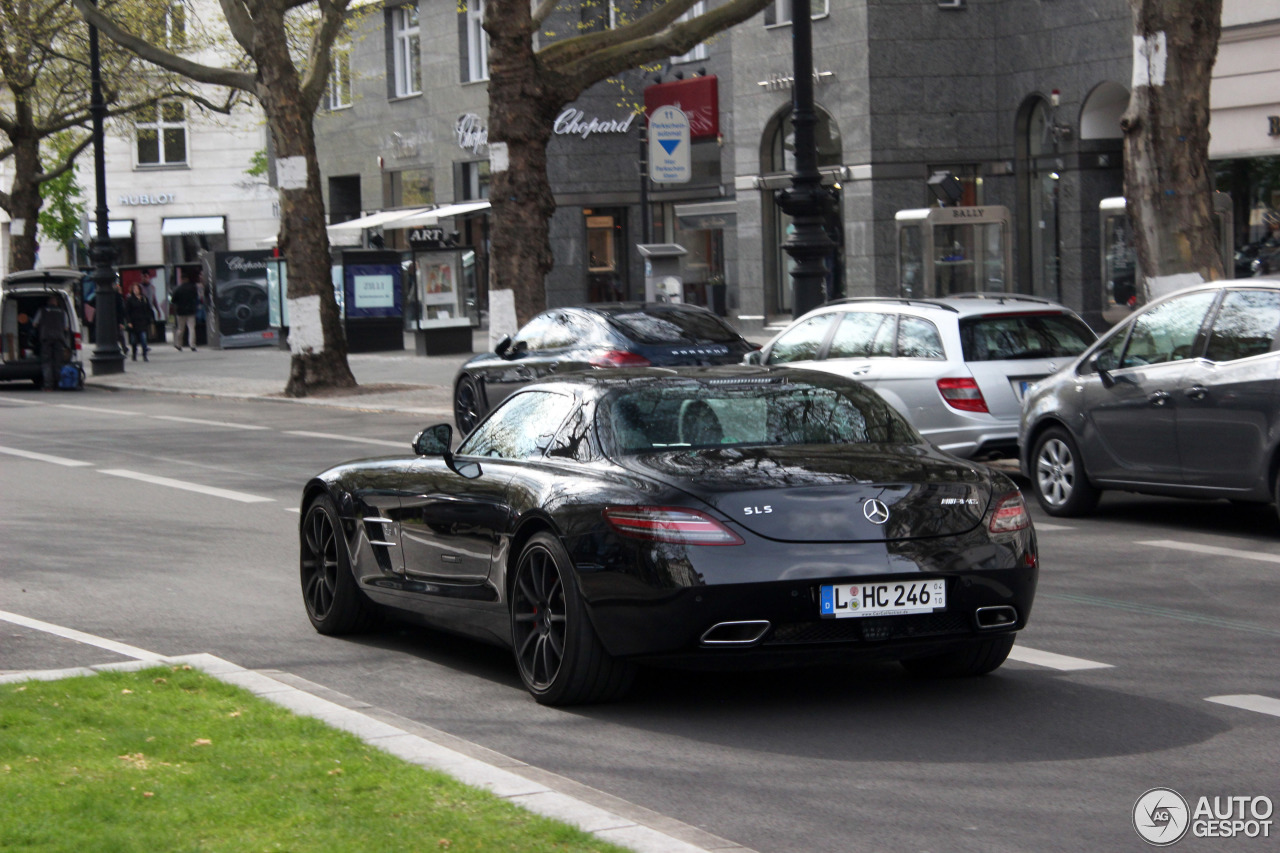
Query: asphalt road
{"points": [[169, 523]]}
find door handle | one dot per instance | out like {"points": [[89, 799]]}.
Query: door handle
{"points": [[1197, 392], [1159, 398], [861, 371]]}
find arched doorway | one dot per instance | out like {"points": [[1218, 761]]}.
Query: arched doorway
{"points": [[778, 164], [1039, 253]]}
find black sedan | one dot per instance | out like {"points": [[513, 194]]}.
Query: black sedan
{"points": [[619, 334], [722, 516]]}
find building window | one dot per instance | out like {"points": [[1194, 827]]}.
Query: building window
{"points": [[406, 53], [475, 180], [699, 52], [162, 135], [408, 188], [338, 94], [475, 42], [778, 12], [603, 15], [175, 26]]}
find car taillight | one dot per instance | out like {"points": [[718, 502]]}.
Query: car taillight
{"points": [[77, 337], [1010, 514], [619, 358], [962, 394], [669, 524]]}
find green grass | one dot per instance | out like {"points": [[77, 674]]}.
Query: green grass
{"points": [[170, 759]]}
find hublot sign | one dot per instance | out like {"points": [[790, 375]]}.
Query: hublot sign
{"points": [[146, 198]]}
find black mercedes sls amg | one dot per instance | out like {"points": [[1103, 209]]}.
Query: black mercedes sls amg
{"points": [[713, 516]]}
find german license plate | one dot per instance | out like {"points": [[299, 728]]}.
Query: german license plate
{"points": [[852, 600], [1022, 386]]}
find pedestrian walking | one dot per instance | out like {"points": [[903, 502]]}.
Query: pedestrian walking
{"points": [[137, 311], [51, 326], [185, 300]]}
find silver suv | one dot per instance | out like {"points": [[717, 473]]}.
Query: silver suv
{"points": [[1180, 399], [956, 367]]}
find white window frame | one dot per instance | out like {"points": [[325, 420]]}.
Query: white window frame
{"points": [[159, 124], [175, 25], [406, 50], [338, 94], [699, 51], [477, 42], [781, 11]]}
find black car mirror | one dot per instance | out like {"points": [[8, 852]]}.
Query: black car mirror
{"points": [[1107, 379], [503, 345], [434, 441]]}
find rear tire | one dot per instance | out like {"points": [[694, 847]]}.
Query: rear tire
{"points": [[1058, 476], [972, 659], [560, 658], [335, 604]]}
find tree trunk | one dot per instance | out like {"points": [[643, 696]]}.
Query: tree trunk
{"points": [[316, 336], [24, 201], [1168, 181], [521, 113]]}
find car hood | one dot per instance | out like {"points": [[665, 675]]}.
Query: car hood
{"points": [[823, 494]]}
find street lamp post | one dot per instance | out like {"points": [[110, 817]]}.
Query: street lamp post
{"points": [[805, 201], [107, 357]]}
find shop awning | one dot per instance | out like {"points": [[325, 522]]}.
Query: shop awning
{"points": [[373, 220], [433, 216], [193, 225], [707, 215], [117, 229]]}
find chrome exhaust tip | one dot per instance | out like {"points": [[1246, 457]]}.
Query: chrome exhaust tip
{"points": [[735, 633], [996, 617]]}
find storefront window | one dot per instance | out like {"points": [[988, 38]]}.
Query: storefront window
{"points": [[1254, 186]]}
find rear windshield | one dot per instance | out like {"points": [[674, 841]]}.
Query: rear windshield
{"points": [[1004, 337], [673, 327], [727, 414]]}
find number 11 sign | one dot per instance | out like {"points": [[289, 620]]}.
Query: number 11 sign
{"points": [[669, 146]]}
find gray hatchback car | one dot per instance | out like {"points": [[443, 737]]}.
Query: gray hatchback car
{"points": [[1181, 399], [956, 367]]}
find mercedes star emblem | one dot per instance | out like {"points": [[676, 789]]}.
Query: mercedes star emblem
{"points": [[875, 511]]}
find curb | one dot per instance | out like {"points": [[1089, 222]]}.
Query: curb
{"points": [[543, 793]]}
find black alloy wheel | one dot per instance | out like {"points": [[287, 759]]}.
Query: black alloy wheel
{"points": [[1057, 474], [466, 405], [560, 658], [334, 603]]}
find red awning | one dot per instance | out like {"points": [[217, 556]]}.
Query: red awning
{"points": [[698, 98]]}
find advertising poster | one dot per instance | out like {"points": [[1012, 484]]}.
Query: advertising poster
{"points": [[241, 302], [372, 290]]}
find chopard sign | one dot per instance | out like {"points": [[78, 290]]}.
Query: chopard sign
{"points": [[572, 122], [472, 135]]}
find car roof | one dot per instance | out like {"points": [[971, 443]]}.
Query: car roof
{"points": [[961, 305], [612, 308], [722, 374]]}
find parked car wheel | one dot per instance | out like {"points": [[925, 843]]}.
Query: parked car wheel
{"points": [[1058, 476], [560, 659], [978, 658], [335, 605], [466, 405]]}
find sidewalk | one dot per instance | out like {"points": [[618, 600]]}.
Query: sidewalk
{"points": [[395, 381]]}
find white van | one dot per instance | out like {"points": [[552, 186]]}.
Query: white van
{"points": [[22, 294]]}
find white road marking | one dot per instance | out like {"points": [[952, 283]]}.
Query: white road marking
{"points": [[202, 422], [80, 637], [98, 409], [381, 442], [242, 497], [42, 457], [1260, 556], [1044, 525], [1063, 663], [1250, 702], [23, 402], [297, 509]]}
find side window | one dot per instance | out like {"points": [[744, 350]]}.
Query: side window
{"points": [[918, 338], [1246, 325], [1108, 355], [803, 342], [574, 439], [535, 332], [521, 428], [858, 334], [1168, 331]]}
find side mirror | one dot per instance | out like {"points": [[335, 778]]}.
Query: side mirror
{"points": [[503, 345], [1107, 379], [753, 357], [434, 441]]}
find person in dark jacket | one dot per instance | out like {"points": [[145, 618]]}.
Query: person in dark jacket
{"points": [[51, 327], [185, 300], [137, 312]]}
